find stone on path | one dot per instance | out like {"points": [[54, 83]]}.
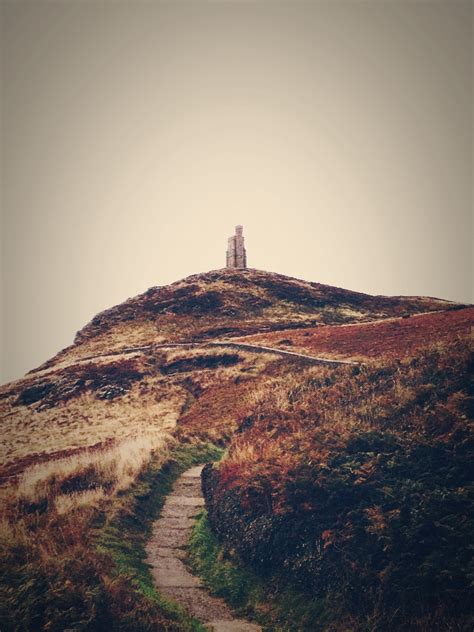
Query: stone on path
{"points": [[166, 552]]}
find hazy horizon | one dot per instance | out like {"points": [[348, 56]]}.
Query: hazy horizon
{"points": [[136, 135]]}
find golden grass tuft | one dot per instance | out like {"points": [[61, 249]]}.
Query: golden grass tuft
{"points": [[92, 474], [64, 503]]}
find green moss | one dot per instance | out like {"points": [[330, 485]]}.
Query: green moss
{"points": [[277, 609], [239, 587]]}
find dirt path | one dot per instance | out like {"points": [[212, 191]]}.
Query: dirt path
{"points": [[245, 346], [165, 554]]}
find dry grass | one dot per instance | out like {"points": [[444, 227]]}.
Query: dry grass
{"points": [[90, 475], [74, 415], [87, 421], [65, 503]]}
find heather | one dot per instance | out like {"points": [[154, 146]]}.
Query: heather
{"points": [[354, 486]]}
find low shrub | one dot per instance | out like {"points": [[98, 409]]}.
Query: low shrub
{"points": [[356, 489]]}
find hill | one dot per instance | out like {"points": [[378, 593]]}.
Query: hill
{"points": [[231, 302], [364, 465], [95, 391]]}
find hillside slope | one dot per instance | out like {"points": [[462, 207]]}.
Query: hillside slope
{"points": [[113, 382], [87, 425], [229, 303], [352, 490]]}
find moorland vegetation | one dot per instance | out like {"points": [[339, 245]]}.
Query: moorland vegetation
{"points": [[343, 499], [354, 487]]}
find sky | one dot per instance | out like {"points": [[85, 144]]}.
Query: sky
{"points": [[135, 135]]}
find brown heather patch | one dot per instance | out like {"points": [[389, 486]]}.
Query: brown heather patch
{"points": [[218, 400], [352, 484], [214, 414], [391, 338]]}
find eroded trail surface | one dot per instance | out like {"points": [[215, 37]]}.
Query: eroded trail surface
{"points": [[166, 553]]}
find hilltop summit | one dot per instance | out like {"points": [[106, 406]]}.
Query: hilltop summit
{"points": [[232, 302]]}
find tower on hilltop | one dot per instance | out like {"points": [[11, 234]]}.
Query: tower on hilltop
{"points": [[236, 254]]}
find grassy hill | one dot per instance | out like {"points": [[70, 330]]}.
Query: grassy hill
{"points": [[338, 483], [230, 302]]}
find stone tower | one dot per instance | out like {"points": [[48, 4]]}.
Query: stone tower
{"points": [[236, 254]]}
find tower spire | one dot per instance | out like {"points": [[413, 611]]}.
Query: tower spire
{"points": [[236, 253]]}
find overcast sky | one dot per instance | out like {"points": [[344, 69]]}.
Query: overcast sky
{"points": [[136, 135]]}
